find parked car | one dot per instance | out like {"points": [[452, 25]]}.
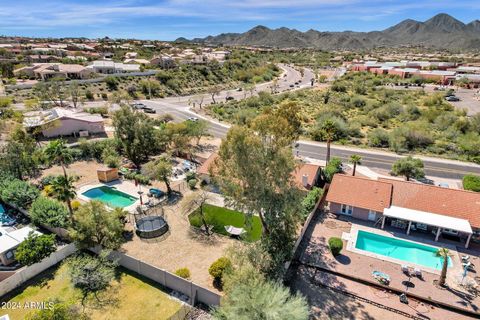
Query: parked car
{"points": [[138, 105], [291, 86], [193, 119], [229, 98], [239, 89], [452, 98], [149, 110]]}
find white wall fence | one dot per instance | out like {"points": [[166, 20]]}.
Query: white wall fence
{"points": [[194, 292], [29, 272]]}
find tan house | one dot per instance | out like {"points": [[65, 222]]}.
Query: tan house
{"points": [[45, 71], [60, 122]]}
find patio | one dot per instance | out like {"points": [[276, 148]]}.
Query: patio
{"points": [[315, 253]]}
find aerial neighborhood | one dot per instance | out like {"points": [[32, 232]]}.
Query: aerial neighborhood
{"points": [[272, 174]]}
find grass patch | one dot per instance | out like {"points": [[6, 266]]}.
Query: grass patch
{"points": [[130, 297], [220, 217]]}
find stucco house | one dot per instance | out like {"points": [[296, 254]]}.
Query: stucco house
{"points": [[111, 67], [411, 206], [45, 71], [9, 241], [59, 122]]}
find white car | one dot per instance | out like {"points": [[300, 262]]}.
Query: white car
{"points": [[193, 119]]}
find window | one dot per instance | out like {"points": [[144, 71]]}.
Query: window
{"points": [[450, 231], [347, 209]]}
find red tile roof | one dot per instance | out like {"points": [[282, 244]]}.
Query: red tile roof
{"points": [[379, 194], [308, 169], [360, 192], [205, 167], [449, 202]]}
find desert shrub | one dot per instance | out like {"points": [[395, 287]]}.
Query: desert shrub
{"points": [[336, 245], [183, 273], [49, 212], [471, 182], [310, 200], [192, 183], [378, 138], [111, 82], [75, 204], [18, 193], [334, 166], [218, 267], [137, 176]]}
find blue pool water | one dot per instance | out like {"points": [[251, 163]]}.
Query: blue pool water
{"points": [[399, 249], [5, 219], [110, 196]]}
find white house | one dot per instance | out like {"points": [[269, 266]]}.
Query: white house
{"points": [[9, 241], [111, 67]]}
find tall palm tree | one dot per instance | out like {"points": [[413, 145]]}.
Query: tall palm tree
{"points": [[444, 254], [64, 190], [355, 159], [57, 152], [329, 132]]}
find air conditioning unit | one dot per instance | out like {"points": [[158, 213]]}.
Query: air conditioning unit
{"points": [[83, 133]]}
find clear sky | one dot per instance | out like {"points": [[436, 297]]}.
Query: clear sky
{"points": [[170, 19]]}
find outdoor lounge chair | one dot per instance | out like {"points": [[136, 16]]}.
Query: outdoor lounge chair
{"points": [[465, 259], [157, 193], [418, 273], [381, 277], [406, 269], [233, 231], [469, 266]]}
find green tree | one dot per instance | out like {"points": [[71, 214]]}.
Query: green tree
{"points": [[58, 311], [111, 82], [471, 182], [64, 190], [35, 248], [355, 159], [333, 167], [18, 193], [197, 129], [49, 212], [408, 167], [134, 132], [444, 254], [57, 152], [160, 169], [151, 88], [75, 92], [91, 275], [93, 224]]}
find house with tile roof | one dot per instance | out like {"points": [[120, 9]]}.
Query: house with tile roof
{"points": [[411, 206]]}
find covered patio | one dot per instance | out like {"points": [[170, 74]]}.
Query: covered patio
{"points": [[422, 219]]}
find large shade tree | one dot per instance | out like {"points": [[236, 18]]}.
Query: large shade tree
{"points": [[135, 134], [408, 167], [160, 169]]}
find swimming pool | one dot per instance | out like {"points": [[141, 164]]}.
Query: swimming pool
{"points": [[5, 219], [400, 249], [110, 196]]}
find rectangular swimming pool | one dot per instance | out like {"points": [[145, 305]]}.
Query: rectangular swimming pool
{"points": [[400, 249], [110, 196]]}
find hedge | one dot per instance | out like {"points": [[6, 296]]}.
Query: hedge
{"points": [[471, 182], [183, 273]]}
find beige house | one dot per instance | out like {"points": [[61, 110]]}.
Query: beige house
{"points": [[164, 62], [45, 71], [62, 122]]}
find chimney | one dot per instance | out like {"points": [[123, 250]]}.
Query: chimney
{"points": [[305, 180]]}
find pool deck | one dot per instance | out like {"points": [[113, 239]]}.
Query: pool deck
{"points": [[456, 266], [124, 186], [314, 253]]}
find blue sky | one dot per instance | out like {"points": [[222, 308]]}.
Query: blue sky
{"points": [[170, 19]]}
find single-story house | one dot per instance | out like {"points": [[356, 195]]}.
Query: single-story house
{"points": [[407, 205], [62, 122], [45, 71], [9, 241], [306, 175], [137, 61], [110, 67]]}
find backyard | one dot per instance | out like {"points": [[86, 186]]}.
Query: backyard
{"points": [[129, 297], [220, 217]]}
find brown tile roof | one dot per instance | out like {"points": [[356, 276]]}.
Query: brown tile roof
{"points": [[450, 202], [308, 169], [205, 167], [360, 192]]}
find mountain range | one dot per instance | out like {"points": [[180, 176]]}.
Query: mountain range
{"points": [[441, 31]]}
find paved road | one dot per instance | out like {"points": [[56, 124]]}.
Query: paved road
{"points": [[179, 109]]}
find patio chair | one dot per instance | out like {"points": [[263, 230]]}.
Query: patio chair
{"points": [[465, 258], [469, 266], [406, 269], [381, 277], [418, 273], [233, 231]]}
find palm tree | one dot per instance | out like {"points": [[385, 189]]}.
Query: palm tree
{"points": [[328, 132], [444, 254], [355, 159], [57, 152], [64, 190]]}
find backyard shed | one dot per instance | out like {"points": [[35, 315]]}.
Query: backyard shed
{"points": [[107, 174]]}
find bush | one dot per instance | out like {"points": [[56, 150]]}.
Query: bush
{"points": [[111, 82], [35, 248], [192, 183], [75, 205], [18, 193], [49, 212], [309, 202], [218, 268], [471, 182], [334, 166], [183, 273], [89, 95], [336, 245], [137, 176]]}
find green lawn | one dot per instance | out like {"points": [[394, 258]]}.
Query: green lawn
{"points": [[220, 217], [130, 296]]}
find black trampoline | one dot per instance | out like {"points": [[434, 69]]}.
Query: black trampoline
{"points": [[151, 227]]}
